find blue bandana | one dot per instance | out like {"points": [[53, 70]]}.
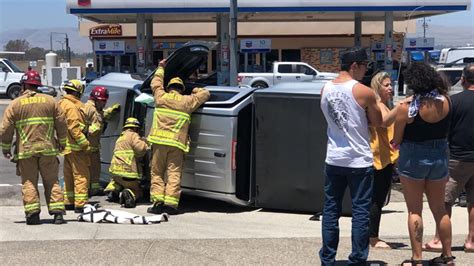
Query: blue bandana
{"points": [[418, 98]]}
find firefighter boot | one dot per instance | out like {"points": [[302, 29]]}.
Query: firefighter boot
{"points": [[78, 209], [112, 196], [127, 199], [170, 210], [58, 218], [157, 208], [33, 218]]}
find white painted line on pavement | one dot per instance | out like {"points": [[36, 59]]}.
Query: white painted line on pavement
{"points": [[10, 185]]}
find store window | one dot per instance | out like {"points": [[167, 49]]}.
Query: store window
{"points": [[326, 57], [291, 55], [268, 60], [108, 64]]}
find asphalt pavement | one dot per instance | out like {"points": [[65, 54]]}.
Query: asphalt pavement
{"points": [[209, 232]]}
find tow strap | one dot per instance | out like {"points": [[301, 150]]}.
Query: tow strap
{"points": [[94, 214]]}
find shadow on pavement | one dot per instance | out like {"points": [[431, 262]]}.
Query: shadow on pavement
{"points": [[369, 263]]}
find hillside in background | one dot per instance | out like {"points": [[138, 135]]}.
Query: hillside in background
{"points": [[41, 37]]}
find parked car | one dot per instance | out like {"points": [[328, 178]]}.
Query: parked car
{"points": [[221, 163], [284, 72], [457, 55], [10, 76]]}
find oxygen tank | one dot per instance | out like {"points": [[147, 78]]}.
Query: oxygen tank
{"points": [[51, 60]]}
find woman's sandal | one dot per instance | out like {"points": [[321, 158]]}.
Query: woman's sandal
{"points": [[412, 262], [443, 260]]}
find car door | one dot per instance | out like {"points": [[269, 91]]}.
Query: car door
{"points": [[284, 73], [305, 73], [3, 77]]}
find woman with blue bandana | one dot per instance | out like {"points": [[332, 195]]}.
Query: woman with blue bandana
{"points": [[421, 130]]}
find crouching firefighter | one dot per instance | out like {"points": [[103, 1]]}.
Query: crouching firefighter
{"points": [[96, 117], [125, 171], [38, 123], [169, 136], [76, 153]]}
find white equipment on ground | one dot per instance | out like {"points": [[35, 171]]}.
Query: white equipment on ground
{"points": [[94, 214]]}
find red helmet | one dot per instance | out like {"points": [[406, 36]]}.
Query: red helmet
{"points": [[31, 77], [100, 93]]}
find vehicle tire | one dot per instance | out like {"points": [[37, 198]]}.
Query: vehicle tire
{"points": [[14, 91], [260, 85]]}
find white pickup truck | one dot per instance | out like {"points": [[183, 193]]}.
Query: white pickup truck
{"points": [[10, 76], [284, 72]]}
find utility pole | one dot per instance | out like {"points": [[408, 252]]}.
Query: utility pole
{"points": [[68, 50], [233, 43]]}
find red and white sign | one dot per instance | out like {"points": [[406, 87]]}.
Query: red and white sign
{"points": [[84, 2]]}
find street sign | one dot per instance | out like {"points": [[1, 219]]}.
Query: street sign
{"points": [[255, 45], [109, 47], [419, 44]]}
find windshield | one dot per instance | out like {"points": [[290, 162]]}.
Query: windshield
{"points": [[12, 66]]}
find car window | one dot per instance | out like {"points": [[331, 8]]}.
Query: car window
{"points": [[453, 75], [284, 69], [302, 69], [13, 66], [3, 67]]}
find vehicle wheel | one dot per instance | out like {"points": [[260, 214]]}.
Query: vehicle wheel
{"points": [[14, 91], [259, 85]]}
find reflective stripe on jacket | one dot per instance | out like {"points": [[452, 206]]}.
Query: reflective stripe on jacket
{"points": [[128, 148], [172, 118], [77, 127], [35, 118], [95, 120]]}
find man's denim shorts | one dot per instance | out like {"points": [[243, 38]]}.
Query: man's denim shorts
{"points": [[424, 160]]}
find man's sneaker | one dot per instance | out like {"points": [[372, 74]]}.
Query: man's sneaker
{"points": [[127, 199], [170, 210], [156, 209], [58, 218], [33, 218], [78, 209], [113, 196], [69, 207]]}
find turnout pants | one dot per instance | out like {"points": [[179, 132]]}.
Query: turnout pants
{"points": [[48, 166], [119, 183], [76, 178], [170, 160], [94, 171]]}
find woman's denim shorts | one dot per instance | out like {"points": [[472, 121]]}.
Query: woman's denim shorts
{"points": [[424, 160]]}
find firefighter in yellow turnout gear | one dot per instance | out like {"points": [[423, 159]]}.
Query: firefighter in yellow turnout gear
{"points": [[96, 117], [124, 168], [76, 153], [35, 118], [169, 136]]}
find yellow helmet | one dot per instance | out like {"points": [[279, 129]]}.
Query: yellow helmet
{"points": [[131, 122], [176, 81], [74, 85]]}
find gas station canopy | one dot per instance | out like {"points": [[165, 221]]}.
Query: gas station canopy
{"points": [[123, 11]]}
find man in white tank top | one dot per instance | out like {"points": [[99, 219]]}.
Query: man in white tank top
{"points": [[349, 107]]}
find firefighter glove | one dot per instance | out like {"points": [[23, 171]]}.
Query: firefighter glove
{"points": [[115, 108]]}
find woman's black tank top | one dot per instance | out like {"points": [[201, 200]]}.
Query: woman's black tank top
{"points": [[420, 130]]}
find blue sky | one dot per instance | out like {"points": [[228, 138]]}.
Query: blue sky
{"points": [[21, 14]]}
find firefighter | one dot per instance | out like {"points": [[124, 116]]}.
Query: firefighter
{"points": [[96, 117], [124, 167], [76, 153], [169, 138], [39, 123]]}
